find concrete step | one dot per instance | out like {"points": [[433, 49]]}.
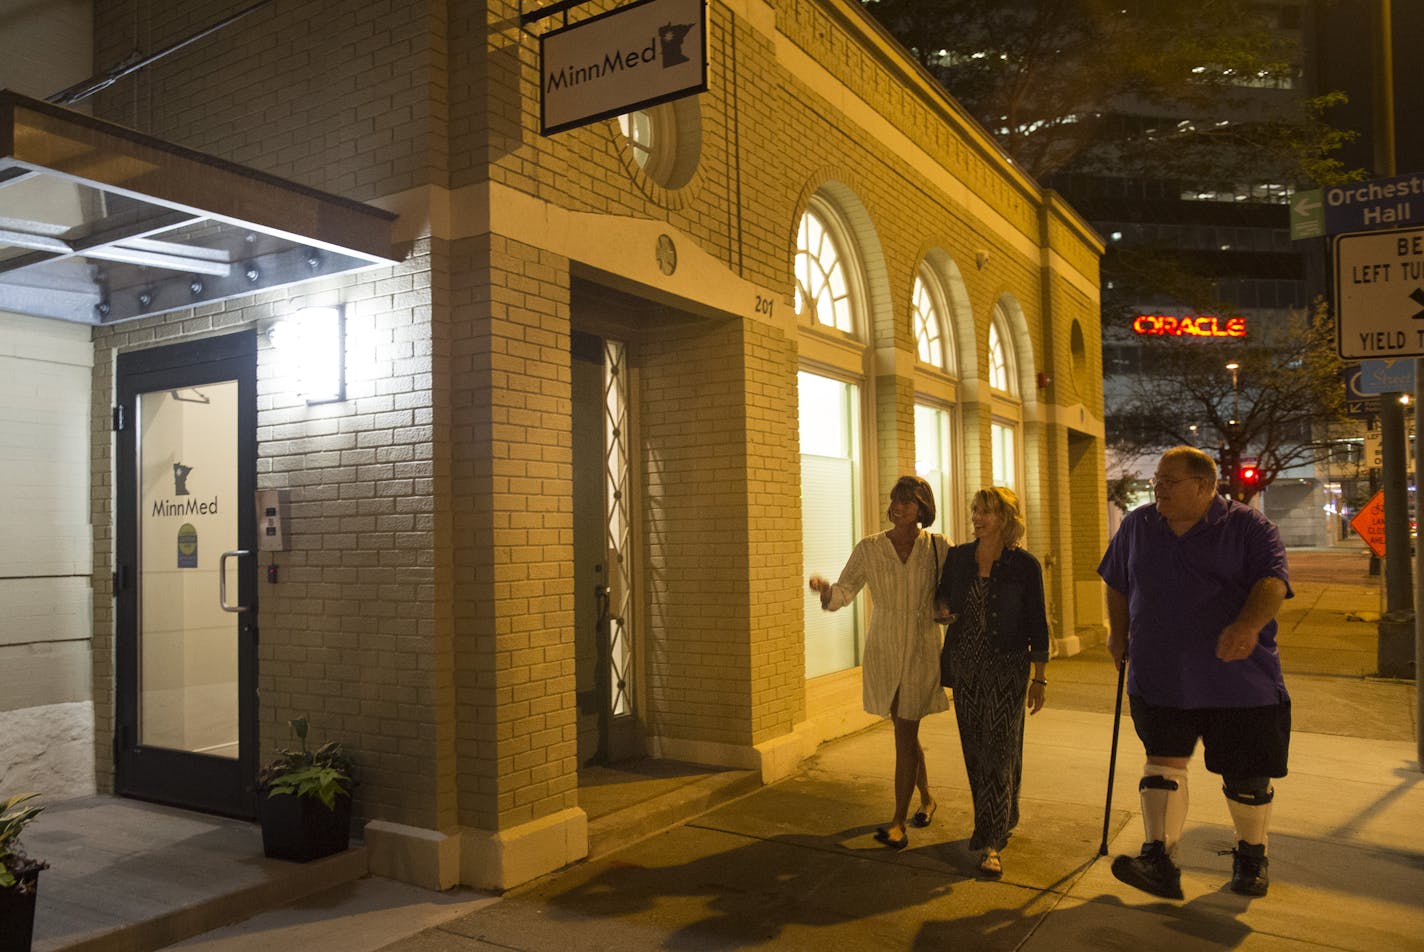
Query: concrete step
{"points": [[127, 876], [668, 801]]}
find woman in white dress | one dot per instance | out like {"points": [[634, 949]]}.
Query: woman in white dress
{"points": [[900, 666]]}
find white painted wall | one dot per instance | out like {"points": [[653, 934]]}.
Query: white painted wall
{"points": [[46, 713], [46, 718]]}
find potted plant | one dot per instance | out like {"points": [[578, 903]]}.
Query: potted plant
{"points": [[306, 812], [19, 875]]}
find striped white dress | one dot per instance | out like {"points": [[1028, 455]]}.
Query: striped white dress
{"points": [[902, 646]]}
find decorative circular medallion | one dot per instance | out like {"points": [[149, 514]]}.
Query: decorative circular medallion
{"points": [[667, 255]]}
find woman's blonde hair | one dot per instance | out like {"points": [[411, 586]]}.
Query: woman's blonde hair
{"points": [[1003, 501], [916, 490]]}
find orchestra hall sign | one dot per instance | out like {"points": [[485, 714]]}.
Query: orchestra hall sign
{"points": [[621, 61]]}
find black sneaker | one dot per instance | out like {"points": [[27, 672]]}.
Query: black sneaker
{"points": [[1248, 869], [1152, 871]]}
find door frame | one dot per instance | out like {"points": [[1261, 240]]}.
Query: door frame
{"points": [[203, 782]]}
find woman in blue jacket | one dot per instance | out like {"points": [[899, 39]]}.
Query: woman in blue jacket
{"points": [[998, 628]]}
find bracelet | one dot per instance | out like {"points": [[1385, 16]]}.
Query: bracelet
{"points": [[1039, 681]]}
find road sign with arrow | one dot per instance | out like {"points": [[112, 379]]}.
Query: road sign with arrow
{"points": [[1307, 215], [1359, 206], [1379, 293]]}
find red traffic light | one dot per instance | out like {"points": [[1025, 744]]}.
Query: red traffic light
{"points": [[1249, 475]]}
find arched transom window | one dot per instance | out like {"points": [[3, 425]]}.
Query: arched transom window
{"points": [[824, 284], [928, 310], [1005, 438], [1001, 360]]}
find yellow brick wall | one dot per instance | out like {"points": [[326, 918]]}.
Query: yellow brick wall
{"points": [[434, 512], [512, 533], [722, 640], [347, 96]]}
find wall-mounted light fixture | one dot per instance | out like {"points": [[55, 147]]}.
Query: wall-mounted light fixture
{"points": [[313, 343]]}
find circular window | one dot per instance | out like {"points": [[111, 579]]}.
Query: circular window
{"points": [[665, 141]]}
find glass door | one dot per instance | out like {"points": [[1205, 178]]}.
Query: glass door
{"points": [[185, 574]]}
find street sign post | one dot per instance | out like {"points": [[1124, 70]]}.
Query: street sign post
{"points": [[1379, 294], [1358, 404], [1360, 206], [1386, 376], [1307, 214]]}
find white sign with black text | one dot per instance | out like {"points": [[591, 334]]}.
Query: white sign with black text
{"points": [[623, 60], [1379, 293]]}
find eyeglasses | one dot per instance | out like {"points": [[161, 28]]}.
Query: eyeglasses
{"points": [[1167, 482]]}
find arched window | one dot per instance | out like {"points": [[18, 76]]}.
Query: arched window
{"points": [[1001, 361], [928, 310], [1004, 428], [832, 308], [826, 286], [936, 287]]}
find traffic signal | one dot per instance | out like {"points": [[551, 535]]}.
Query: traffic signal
{"points": [[1249, 475]]}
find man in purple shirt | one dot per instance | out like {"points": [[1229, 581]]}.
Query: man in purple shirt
{"points": [[1194, 584]]}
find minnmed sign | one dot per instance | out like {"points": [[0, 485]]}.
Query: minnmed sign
{"points": [[623, 60]]}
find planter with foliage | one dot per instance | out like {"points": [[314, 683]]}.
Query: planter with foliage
{"points": [[19, 875], [305, 800]]}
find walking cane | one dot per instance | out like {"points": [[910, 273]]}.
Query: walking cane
{"points": [[1112, 757]]}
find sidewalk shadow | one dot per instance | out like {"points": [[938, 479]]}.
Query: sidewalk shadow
{"points": [[1106, 922], [751, 894], [774, 890]]}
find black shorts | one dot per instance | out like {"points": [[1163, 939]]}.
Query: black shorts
{"points": [[1239, 741]]}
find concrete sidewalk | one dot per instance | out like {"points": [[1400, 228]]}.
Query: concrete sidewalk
{"points": [[794, 865]]}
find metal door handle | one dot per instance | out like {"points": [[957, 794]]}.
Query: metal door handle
{"points": [[222, 582]]}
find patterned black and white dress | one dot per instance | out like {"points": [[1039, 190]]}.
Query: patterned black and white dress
{"points": [[989, 696]]}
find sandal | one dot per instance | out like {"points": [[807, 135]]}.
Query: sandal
{"points": [[923, 817], [990, 865], [882, 834]]}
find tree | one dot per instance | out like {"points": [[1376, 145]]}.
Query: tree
{"points": [[1284, 407], [1196, 97], [1155, 87]]}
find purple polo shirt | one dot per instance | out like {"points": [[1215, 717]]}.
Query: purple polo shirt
{"points": [[1182, 591]]}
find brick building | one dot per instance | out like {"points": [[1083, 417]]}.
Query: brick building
{"points": [[602, 399]]}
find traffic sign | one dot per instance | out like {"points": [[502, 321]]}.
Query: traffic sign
{"points": [[1307, 214], [1379, 293], [1360, 206], [1358, 404], [1369, 523], [1373, 457], [1386, 376]]}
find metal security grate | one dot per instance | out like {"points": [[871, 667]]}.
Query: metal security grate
{"points": [[618, 494]]}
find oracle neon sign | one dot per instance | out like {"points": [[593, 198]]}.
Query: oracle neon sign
{"points": [[1200, 325]]}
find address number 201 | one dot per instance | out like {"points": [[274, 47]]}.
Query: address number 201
{"points": [[764, 305]]}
